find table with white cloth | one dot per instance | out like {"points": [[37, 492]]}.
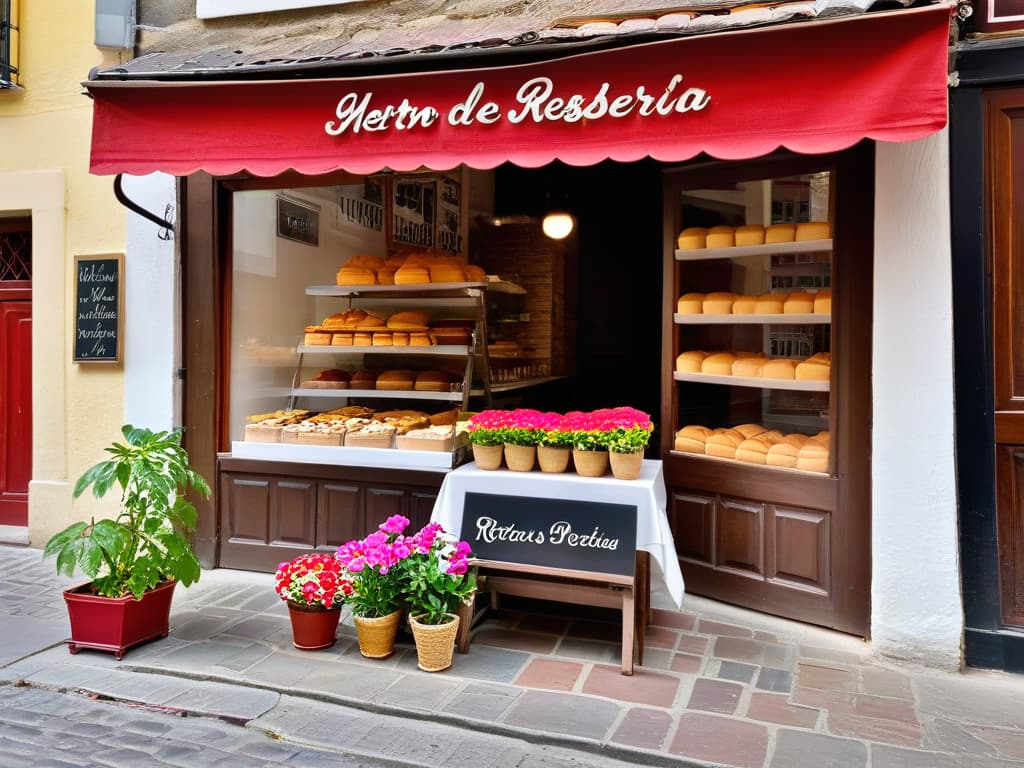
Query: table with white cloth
{"points": [[653, 541]]}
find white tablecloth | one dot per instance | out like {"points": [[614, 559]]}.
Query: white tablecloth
{"points": [[646, 493]]}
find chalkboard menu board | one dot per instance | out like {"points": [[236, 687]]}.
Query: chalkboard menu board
{"points": [[592, 536], [99, 304]]}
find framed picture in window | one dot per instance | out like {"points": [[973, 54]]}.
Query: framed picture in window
{"points": [[413, 214], [298, 221]]}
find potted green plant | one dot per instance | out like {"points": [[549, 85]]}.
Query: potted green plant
{"points": [[524, 431], [134, 559], [555, 444], [627, 441], [486, 433], [437, 577]]}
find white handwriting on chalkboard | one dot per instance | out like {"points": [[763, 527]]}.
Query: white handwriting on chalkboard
{"points": [[99, 333], [487, 529], [490, 530], [562, 532], [95, 274]]}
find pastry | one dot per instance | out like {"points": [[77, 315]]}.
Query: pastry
{"points": [[690, 362], [690, 304], [719, 363], [750, 234], [814, 230], [718, 303], [798, 304], [356, 276], [721, 237], [367, 260], [409, 320], [371, 320], [411, 274], [375, 434], [386, 275], [692, 238], [446, 273], [780, 233], [823, 302], [744, 305], [432, 438]]}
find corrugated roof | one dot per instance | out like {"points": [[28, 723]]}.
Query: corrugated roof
{"points": [[298, 43]]}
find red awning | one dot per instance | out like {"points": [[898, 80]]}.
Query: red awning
{"points": [[811, 87]]}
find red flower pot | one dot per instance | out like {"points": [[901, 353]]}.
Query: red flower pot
{"points": [[117, 623], [313, 628]]}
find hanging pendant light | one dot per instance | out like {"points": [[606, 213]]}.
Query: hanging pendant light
{"points": [[558, 225]]}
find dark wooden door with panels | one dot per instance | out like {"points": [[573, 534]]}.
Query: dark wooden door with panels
{"points": [[766, 398]]}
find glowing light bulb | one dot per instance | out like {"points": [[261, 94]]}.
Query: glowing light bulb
{"points": [[558, 225]]}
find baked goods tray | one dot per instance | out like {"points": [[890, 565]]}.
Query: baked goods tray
{"points": [[757, 382], [385, 458], [391, 394], [737, 462], [766, 249], [730, 319], [441, 350], [363, 290]]}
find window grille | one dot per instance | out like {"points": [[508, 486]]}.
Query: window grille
{"points": [[15, 256], [8, 46]]}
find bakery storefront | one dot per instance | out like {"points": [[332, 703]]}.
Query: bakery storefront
{"points": [[755, 213]]}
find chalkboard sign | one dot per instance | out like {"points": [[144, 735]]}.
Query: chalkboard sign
{"points": [[99, 303], [596, 537]]}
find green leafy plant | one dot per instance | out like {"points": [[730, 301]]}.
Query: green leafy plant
{"points": [[146, 542], [631, 440], [437, 576]]}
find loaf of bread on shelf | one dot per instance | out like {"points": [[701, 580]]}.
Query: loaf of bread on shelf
{"points": [[691, 438], [779, 368], [723, 443], [748, 366], [784, 452], [412, 274], [718, 303], [316, 338], [812, 457], [754, 450], [434, 381], [813, 230], [360, 270], [382, 339], [692, 238], [400, 380], [798, 304], [744, 305], [395, 260], [341, 339], [780, 233], [719, 363], [690, 304], [750, 234], [419, 339], [409, 320], [770, 304], [362, 339], [750, 430], [813, 370], [474, 273], [823, 302], [363, 379], [400, 338], [386, 275], [690, 362], [721, 237], [447, 272]]}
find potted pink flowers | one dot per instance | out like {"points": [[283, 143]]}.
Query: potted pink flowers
{"points": [[524, 429], [372, 565], [627, 440], [315, 588], [486, 433], [555, 444]]}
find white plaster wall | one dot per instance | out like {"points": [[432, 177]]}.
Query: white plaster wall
{"points": [[916, 608], [152, 349]]}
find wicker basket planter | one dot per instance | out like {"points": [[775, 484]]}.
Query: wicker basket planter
{"points": [[435, 643]]}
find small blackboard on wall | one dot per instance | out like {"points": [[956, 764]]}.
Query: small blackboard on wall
{"points": [[590, 536], [99, 308]]}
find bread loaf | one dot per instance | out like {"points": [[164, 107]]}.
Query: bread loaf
{"points": [[692, 238], [409, 320], [690, 439], [690, 362], [754, 449], [721, 237], [750, 430], [400, 339], [474, 274], [419, 339], [411, 275], [718, 303], [813, 370], [719, 363], [341, 339], [782, 454], [433, 381], [362, 339], [812, 457], [363, 380], [780, 368], [445, 272], [780, 233], [744, 305], [770, 304], [382, 339], [798, 304], [356, 276], [723, 443], [750, 234], [813, 230], [748, 366], [396, 380], [386, 275], [317, 339], [823, 302], [690, 304]]}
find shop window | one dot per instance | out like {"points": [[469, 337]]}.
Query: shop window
{"points": [[9, 73], [15, 253]]}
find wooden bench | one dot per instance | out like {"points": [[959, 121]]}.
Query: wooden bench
{"points": [[629, 594]]}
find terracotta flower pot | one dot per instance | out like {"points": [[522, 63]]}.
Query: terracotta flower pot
{"points": [[435, 643], [552, 458], [117, 623], [488, 456], [313, 628], [377, 635], [626, 466], [520, 458], [590, 463]]}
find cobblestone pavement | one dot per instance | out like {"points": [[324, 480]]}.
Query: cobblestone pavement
{"points": [[718, 686]]}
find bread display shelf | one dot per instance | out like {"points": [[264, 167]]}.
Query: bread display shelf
{"points": [[756, 382], [801, 246], [730, 319], [440, 350], [736, 462], [404, 394], [384, 290], [385, 458]]}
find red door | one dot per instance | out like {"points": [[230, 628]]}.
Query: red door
{"points": [[15, 410]]}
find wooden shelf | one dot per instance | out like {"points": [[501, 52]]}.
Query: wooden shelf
{"points": [[391, 394], [768, 249], [440, 350], [389, 458], [756, 382], [746, 464], [802, 319]]}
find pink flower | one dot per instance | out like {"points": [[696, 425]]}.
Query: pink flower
{"points": [[394, 524]]}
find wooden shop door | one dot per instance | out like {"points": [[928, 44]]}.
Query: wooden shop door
{"points": [[1005, 181], [15, 370]]}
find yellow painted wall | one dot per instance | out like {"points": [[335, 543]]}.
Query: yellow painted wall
{"points": [[45, 132]]}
